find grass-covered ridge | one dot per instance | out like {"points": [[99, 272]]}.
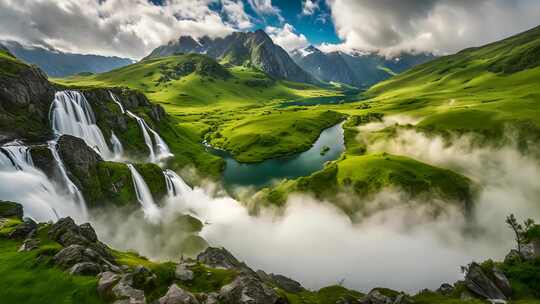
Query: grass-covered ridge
{"points": [[478, 89]]}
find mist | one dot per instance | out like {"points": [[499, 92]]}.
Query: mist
{"points": [[400, 243]]}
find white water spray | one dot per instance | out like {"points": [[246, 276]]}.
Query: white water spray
{"points": [[72, 114], [22, 182], [118, 149], [144, 196]]}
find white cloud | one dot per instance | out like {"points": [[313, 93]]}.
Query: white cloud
{"points": [[236, 14], [121, 27], [309, 7], [265, 8], [441, 26], [286, 37]]}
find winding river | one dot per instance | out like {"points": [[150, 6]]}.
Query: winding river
{"points": [[266, 172]]}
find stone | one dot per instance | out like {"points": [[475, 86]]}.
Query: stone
{"points": [[183, 273], [218, 258], [123, 290], [248, 289], [280, 281], [88, 232], [210, 298], [512, 257], [176, 295], [85, 269], [501, 281], [74, 254], [29, 245], [11, 210], [106, 281], [478, 282], [24, 230], [445, 289], [376, 297]]}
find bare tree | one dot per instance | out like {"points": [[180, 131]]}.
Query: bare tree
{"points": [[517, 228]]}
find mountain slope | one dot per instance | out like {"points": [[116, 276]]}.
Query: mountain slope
{"points": [[356, 70], [254, 49], [480, 88], [60, 64]]}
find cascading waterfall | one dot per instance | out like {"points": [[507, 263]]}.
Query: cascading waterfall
{"points": [[118, 149], [22, 182], [73, 190], [158, 148], [115, 99], [144, 196], [176, 187], [72, 114]]}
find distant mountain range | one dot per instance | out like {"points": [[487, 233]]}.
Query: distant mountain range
{"points": [[354, 69], [241, 48], [59, 64]]}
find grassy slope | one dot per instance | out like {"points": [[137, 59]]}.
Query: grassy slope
{"points": [[475, 89], [210, 99], [273, 133]]}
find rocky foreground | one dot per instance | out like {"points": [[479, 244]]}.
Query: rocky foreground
{"points": [[216, 276]]}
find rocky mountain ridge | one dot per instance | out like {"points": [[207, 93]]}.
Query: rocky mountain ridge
{"points": [[254, 49], [360, 70], [61, 64]]}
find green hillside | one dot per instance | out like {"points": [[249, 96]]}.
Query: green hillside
{"points": [[475, 89], [205, 97]]}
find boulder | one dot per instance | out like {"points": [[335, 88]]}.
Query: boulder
{"points": [[88, 232], [75, 254], [183, 273], [479, 283], [376, 297], [283, 282], [209, 298], [43, 159], [445, 289], [85, 268], [176, 295], [29, 245], [218, 258], [106, 282], [501, 281], [11, 210], [248, 289], [123, 291], [24, 230]]}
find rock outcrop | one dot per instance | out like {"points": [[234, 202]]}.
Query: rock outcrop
{"points": [[11, 210], [218, 258], [480, 284], [176, 295]]}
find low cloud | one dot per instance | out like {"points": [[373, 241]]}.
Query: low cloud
{"points": [[309, 7], [399, 243]]}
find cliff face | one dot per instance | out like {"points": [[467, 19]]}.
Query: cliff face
{"points": [[25, 98]]}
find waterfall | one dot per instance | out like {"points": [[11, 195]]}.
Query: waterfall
{"points": [[176, 187], [115, 99], [158, 148], [73, 190], [150, 209], [22, 182], [72, 114], [118, 149]]}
